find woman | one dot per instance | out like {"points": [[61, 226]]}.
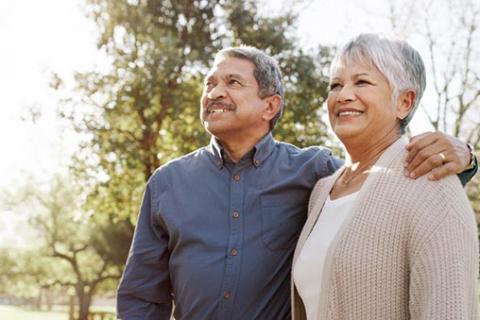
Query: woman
{"points": [[378, 245]]}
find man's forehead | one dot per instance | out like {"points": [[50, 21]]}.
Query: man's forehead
{"points": [[223, 66]]}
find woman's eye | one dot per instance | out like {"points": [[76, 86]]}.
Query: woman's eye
{"points": [[362, 82], [334, 86]]}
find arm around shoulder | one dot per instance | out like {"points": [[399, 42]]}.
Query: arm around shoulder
{"points": [[468, 174], [145, 290]]}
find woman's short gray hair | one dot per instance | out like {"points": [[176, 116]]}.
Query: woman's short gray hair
{"points": [[399, 62], [267, 73]]}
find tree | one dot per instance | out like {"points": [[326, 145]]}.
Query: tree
{"points": [[452, 61], [143, 111], [26, 274], [65, 254]]}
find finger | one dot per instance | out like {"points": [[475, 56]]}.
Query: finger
{"points": [[426, 166], [414, 139], [417, 143], [443, 171], [428, 158]]}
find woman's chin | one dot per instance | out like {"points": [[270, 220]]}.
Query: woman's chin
{"points": [[345, 133]]}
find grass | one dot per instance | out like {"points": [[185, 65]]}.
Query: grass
{"points": [[19, 313], [22, 313]]}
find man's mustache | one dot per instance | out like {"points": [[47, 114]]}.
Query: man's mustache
{"points": [[219, 104]]}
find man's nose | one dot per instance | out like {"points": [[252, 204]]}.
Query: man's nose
{"points": [[217, 92]]}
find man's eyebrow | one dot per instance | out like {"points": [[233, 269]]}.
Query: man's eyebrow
{"points": [[208, 78], [234, 75], [212, 77]]}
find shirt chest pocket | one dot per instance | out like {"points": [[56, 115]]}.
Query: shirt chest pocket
{"points": [[282, 220]]}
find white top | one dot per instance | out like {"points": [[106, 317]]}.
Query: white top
{"points": [[307, 271]]}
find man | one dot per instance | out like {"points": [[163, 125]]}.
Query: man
{"points": [[218, 226]]}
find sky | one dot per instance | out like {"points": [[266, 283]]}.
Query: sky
{"points": [[42, 37], [38, 38]]}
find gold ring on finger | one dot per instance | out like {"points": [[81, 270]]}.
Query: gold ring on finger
{"points": [[442, 156]]}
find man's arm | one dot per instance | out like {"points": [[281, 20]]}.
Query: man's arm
{"points": [[439, 155], [145, 291]]}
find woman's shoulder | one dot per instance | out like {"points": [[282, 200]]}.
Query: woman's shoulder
{"points": [[422, 188], [425, 201]]}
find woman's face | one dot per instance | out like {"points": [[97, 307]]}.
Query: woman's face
{"points": [[360, 103]]}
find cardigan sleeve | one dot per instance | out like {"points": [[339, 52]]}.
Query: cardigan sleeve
{"points": [[444, 270]]}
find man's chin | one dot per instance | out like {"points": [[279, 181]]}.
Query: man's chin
{"points": [[216, 130], [210, 127]]}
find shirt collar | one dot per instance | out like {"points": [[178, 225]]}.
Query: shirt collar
{"points": [[260, 152]]}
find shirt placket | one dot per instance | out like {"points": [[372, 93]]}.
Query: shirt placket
{"points": [[234, 250]]}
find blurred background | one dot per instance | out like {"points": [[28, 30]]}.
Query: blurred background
{"points": [[96, 94]]}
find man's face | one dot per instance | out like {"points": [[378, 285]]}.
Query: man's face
{"points": [[230, 105]]}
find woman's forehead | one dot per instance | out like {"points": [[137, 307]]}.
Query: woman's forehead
{"points": [[351, 62]]}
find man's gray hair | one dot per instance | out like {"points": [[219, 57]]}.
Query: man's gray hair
{"points": [[399, 62], [266, 72]]}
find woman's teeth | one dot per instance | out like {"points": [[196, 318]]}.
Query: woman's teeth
{"points": [[349, 113]]}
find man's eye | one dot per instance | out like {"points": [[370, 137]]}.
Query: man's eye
{"points": [[233, 82]]}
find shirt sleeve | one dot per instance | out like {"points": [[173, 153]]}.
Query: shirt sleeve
{"points": [[334, 163], [443, 279], [145, 291], [467, 175]]}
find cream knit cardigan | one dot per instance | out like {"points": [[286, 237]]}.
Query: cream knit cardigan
{"points": [[408, 250]]}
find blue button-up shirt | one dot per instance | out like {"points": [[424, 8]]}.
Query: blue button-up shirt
{"points": [[217, 238]]}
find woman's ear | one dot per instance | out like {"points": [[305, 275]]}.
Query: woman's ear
{"points": [[406, 101], [274, 103]]}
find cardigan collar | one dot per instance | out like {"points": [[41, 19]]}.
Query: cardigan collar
{"points": [[319, 199]]}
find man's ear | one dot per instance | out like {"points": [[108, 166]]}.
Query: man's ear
{"points": [[273, 105], [406, 101]]}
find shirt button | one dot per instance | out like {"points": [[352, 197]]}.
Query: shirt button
{"points": [[234, 252], [257, 162], [236, 177], [235, 215], [226, 295]]}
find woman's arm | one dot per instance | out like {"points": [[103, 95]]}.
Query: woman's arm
{"points": [[444, 266]]}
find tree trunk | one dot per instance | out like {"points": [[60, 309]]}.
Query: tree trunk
{"points": [[48, 299], [71, 307], [84, 297], [38, 300]]}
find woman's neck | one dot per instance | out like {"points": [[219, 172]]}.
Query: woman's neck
{"points": [[362, 153], [359, 161]]}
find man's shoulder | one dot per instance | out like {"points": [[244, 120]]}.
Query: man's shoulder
{"points": [[307, 152], [184, 163], [314, 159]]}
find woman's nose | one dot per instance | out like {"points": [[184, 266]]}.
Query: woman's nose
{"points": [[346, 94]]}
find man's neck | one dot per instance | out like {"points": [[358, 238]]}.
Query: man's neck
{"points": [[237, 148]]}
